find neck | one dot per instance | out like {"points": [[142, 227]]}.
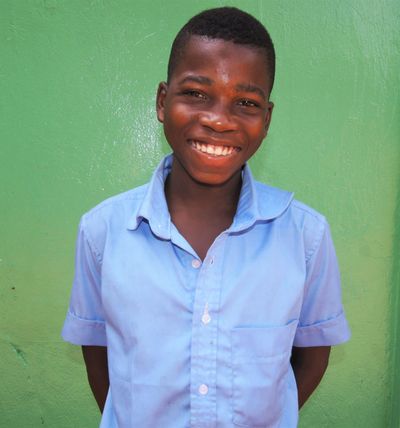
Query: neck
{"points": [[184, 193]]}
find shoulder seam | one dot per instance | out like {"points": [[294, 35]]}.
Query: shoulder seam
{"points": [[300, 206], [317, 242], [117, 200], [90, 242]]}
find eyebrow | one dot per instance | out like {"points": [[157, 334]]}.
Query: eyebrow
{"points": [[251, 88], [241, 87], [197, 79]]}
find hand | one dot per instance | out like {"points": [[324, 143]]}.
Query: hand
{"points": [[97, 371], [309, 365]]}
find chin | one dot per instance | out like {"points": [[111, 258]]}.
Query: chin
{"points": [[212, 180]]}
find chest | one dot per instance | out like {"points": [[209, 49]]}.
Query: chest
{"points": [[256, 277]]}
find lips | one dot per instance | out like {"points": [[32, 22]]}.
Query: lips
{"points": [[214, 149]]}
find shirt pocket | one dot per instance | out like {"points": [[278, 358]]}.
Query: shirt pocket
{"points": [[260, 362]]}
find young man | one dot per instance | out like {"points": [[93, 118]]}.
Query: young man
{"points": [[205, 298]]}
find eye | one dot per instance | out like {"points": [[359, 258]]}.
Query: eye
{"points": [[193, 93], [248, 103]]}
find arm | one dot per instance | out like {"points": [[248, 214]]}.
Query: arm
{"points": [[97, 371], [309, 365]]}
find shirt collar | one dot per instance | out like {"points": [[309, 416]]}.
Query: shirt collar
{"points": [[154, 206], [256, 202]]}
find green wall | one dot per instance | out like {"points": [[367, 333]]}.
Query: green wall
{"points": [[77, 124]]}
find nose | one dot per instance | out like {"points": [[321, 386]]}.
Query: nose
{"points": [[218, 118]]}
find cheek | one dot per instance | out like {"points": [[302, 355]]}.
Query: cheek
{"points": [[253, 148], [256, 130], [177, 117]]}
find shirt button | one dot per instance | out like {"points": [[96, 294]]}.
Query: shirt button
{"points": [[206, 318], [196, 263], [203, 389]]}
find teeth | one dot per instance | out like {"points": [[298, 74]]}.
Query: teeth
{"points": [[213, 150]]}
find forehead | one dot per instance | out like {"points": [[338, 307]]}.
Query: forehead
{"points": [[223, 59]]}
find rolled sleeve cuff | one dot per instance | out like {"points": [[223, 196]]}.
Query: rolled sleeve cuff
{"points": [[80, 331], [325, 333]]}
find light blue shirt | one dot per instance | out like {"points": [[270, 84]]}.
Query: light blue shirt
{"points": [[196, 343]]}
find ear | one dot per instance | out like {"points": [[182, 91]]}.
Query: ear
{"points": [[268, 117], [160, 101]]}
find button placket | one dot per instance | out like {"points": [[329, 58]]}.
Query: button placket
{"points": [[204, 341], [203, 396]]}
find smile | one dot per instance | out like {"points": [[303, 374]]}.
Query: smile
{"points": [[213, 150]]}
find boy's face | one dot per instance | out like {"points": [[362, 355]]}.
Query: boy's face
{"points": [[216, 108]]}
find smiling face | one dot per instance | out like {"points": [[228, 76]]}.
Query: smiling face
{"points": [[215, 108]]}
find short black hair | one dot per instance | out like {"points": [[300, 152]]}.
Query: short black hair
{"points": [[226, 23]]}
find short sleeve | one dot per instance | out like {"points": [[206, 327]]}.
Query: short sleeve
{"points": [[84, 323], [322, 319]]}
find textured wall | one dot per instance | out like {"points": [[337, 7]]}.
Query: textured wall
{"points": [[77, 124]]}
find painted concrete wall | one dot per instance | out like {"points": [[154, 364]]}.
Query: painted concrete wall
{"points": [[77, 124]]}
